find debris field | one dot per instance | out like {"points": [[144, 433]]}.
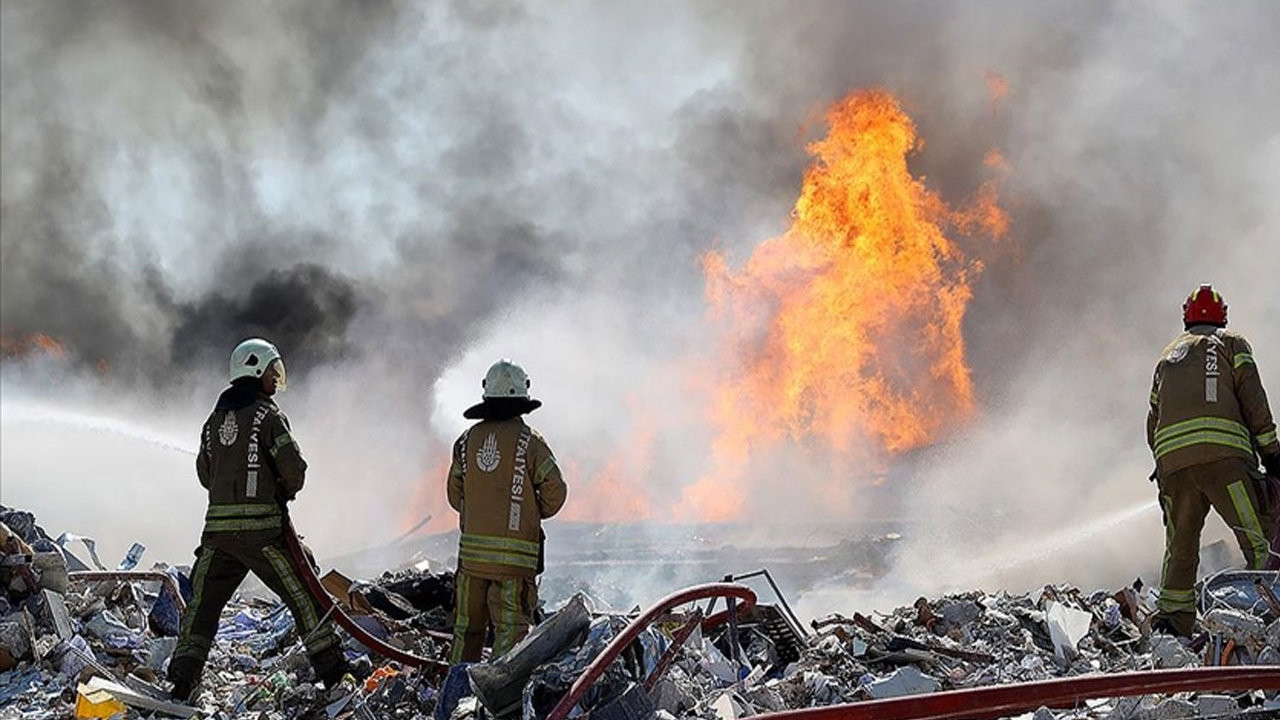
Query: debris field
{"points": [[79, 640]]}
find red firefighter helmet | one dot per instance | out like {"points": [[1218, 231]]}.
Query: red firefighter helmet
{"points": [[1204, 306]]}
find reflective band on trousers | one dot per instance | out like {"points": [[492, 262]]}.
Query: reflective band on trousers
{"points": [[498, 551], [1177, 600], [1249, 525]]}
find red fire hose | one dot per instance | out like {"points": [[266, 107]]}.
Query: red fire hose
{"points": [[1002, 700], [632, 631], [329, 606]]}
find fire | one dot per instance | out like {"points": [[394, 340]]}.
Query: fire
{"points": [[847, 329], [21, 346]]}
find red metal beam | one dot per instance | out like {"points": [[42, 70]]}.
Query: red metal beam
{"points": [[633, 629], [165, 579], [1002, 700]]}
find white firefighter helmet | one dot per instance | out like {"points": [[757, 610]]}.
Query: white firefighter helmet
{"points": [[506, 379], [252, 357], [506, 394]]}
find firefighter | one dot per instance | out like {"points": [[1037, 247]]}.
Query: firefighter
{"points": [[1208, 423], [251, 466], [503, 482]]}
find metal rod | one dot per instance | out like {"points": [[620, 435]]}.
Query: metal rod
{"points": [[735, 646], [1004, 700], [1270, 597], [782, 599]]}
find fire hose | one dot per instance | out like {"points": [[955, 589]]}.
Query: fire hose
{"points": [[615, 647], [331, 607], [1003, 700]]}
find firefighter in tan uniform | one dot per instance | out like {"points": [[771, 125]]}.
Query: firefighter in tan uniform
{"points": [[503, 482], [1208, 422], [251, 466]]}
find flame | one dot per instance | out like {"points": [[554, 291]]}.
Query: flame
{"points": [[21, 346], [847, 329]]}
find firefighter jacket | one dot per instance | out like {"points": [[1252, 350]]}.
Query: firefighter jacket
{"points": [[249, 463], [503, 482], [1207, 402]]}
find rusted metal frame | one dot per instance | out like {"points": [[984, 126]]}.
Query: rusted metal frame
{"points": [[1265, 591], [782, 599], [329, 605], [633, 629], [998, 701], [677, 641], [165, 579]]}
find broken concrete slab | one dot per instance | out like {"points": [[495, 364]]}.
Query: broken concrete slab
{"points": [[1067, 626], [1169, 652], [904, 681], [1242, 627], [55, 608]]}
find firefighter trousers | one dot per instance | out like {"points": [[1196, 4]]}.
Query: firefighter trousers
{"points": [[1185, 498], [507, 604], [218, 571]]}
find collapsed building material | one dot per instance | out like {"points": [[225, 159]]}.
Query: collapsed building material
{"points": [[681, 666], [632, 631], [330, 607]]}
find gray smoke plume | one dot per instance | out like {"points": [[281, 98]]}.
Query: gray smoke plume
{"points": [[400, 193]]}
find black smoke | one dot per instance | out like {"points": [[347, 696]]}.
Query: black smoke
{"points": [[305, 310]]}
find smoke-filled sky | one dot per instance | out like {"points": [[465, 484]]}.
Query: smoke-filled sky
{"points": [[400, 193]]}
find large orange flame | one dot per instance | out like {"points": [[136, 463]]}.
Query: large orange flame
{"points": [[846, 330]]}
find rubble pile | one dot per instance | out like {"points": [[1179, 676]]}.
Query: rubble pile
{"points": [[100, 649], [71, 647]]}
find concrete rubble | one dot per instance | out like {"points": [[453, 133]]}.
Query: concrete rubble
{"points": [[71, 648]]}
